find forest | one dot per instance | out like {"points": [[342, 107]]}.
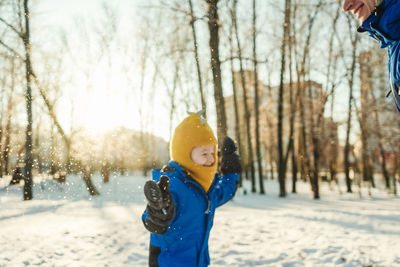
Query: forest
{"points": [[99, 89]]}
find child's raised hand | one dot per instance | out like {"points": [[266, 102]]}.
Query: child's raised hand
{"points": [[160, 205], [230, 162]]}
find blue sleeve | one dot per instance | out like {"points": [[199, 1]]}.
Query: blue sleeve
{"points": [[225, 188], [145, 216], [390, 20]]}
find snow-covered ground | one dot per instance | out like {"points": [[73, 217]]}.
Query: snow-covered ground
{"points": [[63, 226]]}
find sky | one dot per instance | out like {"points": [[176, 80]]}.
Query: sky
{"points": [[96, 94], [103, 91]]}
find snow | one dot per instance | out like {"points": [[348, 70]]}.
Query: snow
{"points": [[63, 226]]}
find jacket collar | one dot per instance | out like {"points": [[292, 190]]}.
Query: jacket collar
{"points": [[373, 24], [186, 176]]}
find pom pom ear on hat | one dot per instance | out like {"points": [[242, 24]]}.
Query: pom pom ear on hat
{"points": [[201, 117]]}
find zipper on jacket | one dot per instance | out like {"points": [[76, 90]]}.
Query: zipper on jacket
{"points": [[208, 207], [193, 183]]}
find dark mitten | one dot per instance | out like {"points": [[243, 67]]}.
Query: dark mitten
{"points": [[160, 205], [230, 162]]}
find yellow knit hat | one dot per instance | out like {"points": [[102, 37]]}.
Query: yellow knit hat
{"points": [[192, 132]]}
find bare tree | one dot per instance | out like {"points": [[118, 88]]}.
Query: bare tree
{"points": [[2, 91], [7, 132], [363, 116], [395, 169], [316, 118], [28, 95], [282, 160], [245, 102], [293, 104], [351, 72], [213, 26], [380, 145], [196, 56], [24, 34], [330, 78], [235, 99], [87, 174], [256, 104], [369, 69]]}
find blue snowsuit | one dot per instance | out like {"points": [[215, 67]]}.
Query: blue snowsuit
{"points": [[185, 243], [384, 25]]}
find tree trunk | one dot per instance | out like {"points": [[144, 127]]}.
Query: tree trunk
{"points": [[196, 56], [256, 105], [7, 141], [270, 127], [7, 133], [396, 167], [366, 87], [293, 106], [245, 104], [1, 145], [87, 174], [54, 164], [314, 141], [383, 164], [105, 172], [315, 175], [281, 158], [28, 96], [300, 70], [38, 157], [315, 116], [172, 98], [332, 158], [216, 69], [236, 105], [348, 124], [294, 170], [381, 149]]}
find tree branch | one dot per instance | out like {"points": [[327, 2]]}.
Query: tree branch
{"points": [[227, 59], [11, 50], [51, 110], [11, 27]]}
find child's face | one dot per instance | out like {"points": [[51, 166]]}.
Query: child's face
{"points": [[203, 155]]}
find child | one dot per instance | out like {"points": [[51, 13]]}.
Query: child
{"points": [[183, 196]]}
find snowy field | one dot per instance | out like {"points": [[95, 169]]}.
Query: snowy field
{"points": [[63, 226]]}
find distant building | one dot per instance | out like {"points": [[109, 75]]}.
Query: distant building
{"points": [[379, 120], [268, 100]]}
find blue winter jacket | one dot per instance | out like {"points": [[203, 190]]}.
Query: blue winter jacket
{"points": [[185, 243], [384, 25]]}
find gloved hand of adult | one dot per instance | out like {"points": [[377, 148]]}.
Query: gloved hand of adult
{"points": [[230, 162], [160, 205]]}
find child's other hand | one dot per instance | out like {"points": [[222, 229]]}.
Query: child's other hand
{"points": [[230, 162], [160, 205]]}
